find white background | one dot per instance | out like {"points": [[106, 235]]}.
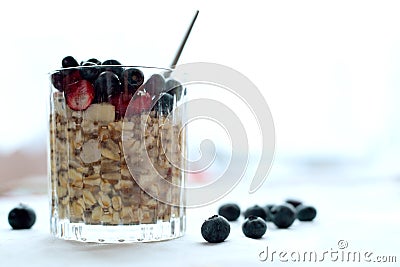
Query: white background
{"points": [[329, 70]]}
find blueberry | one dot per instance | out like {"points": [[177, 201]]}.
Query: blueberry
{"points": [[92, 60], [71, 76], [293, 202], [254, 227], [230, 211], [267, 209], [69, 62], [65, 77], [21, 217], [90, 72], [117, 70], [111, 62], [256, 211], [107, 84], [283, 216], [306, 213], [173, 87], [57, 80], [215, 229], [155, 84], [165, 104], [132, 79]]}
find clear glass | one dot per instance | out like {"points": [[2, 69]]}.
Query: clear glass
{"points": [[93, 179]]}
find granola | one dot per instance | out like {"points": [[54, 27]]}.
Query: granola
{"points": [[90, 179]]}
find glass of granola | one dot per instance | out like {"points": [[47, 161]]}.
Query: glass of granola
{"points": [[115, 130]]}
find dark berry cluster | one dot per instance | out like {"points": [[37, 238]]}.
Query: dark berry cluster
{"points": [[216, 229], [93, 81]]}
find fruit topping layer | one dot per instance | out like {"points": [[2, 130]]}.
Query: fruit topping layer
{"points": [[95, 82]]}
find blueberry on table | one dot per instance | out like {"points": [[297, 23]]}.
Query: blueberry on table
{"points": [[256, 211], [107, 84], [254, 227], [283, 216], [112, 65], [69, 62], [306, 213], [267, 209], [132, 79], [21, 217], [215, 229], [293, 202], [230, 211]]}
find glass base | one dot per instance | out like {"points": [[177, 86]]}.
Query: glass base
{"points": [[64, 229]]}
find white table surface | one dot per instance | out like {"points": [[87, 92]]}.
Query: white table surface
{"points": [[363, 211]]}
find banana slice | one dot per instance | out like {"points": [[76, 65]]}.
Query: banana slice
{"points": [[103, 112], [91, 151]]}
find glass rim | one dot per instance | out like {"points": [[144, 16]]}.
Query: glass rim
{"points": [[166, 69]]}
